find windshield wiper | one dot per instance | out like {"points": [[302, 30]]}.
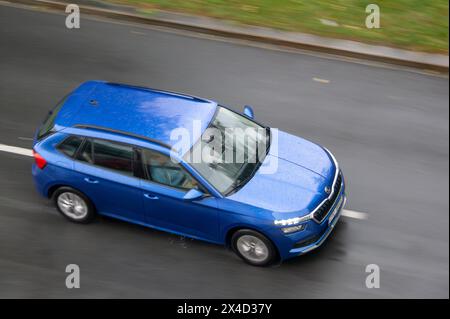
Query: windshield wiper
{"points": [[239, 183]]}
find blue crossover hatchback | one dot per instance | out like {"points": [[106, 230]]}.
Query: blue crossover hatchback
{"points": [[109, 149]]}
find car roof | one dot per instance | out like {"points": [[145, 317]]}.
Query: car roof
{"points": [[137, 111]]}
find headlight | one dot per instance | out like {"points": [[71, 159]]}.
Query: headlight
{"points": [[292, 229], [292, 221]]}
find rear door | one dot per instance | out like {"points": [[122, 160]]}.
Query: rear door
{"points": [[106, 174]]}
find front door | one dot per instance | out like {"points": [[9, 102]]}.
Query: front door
{"points": [[163, 189]]}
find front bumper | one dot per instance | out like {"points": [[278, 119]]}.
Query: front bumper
{"points": [[314, 235], [332, 221]]}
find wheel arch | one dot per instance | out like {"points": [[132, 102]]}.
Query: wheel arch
{"points": [[229, 233], [234, 229], [52, 189]]}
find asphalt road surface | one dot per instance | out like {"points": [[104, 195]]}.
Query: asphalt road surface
{"points": [[388, 128]]}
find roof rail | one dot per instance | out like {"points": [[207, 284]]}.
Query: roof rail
{"points": [[179, 95], [109, 130]]}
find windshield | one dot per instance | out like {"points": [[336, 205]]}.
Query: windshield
{"points": [[229, 151]]}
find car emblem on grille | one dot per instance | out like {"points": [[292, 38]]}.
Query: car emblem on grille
{"points": [[327, 190]]}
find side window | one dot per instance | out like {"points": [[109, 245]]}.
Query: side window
{"points": [[113, 155], [85, 154], [70, 145], [162, 170]]}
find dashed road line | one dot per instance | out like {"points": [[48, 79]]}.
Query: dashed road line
{"points": [[137, 32], [25, 138], [324, 81], [354, 214]]}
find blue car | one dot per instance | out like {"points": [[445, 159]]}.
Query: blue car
{"points": [[109, 149]]}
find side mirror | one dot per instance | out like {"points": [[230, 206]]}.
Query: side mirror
{"points": [[193, 194], [248, 111]]}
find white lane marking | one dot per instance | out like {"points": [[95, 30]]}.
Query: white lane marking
{"points": [[16, 150], [137, 32], [321, 80], [354, 214], [28, 152], [25, 138]]}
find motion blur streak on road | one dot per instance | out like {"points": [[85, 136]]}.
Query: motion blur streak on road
{"points": [[388, 128]]}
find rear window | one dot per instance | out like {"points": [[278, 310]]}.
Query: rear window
{"points": [[111, 155], [85, 154], [49, 122], [114, 156], [70, 145]]}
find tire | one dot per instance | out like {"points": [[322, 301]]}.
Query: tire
{"points": [[74, 205], [253, 247]]}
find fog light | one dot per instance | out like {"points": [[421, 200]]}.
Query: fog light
{"points": [[293, 229]]}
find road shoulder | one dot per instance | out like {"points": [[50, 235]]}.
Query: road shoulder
{"points": [[345, 48]]}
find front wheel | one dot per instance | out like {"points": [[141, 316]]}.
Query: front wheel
{"points": [[74, 205], [253, 247]]}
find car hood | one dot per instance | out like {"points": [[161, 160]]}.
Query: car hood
{"points": [[297, 184]]}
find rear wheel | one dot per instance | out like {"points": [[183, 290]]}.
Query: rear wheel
{"points": [[253, 247], [74, 205]]}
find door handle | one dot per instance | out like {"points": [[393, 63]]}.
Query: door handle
{"points": [[90, 180], [150, 196]]}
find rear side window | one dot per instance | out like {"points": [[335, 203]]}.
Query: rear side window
{"points": [[49, 122], [111, 155], [70, 145], [85, 154]]}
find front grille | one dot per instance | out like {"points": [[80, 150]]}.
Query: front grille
{"points": [[322, 211]]}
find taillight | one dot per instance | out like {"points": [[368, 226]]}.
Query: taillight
{"points": [[40, 161]]}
